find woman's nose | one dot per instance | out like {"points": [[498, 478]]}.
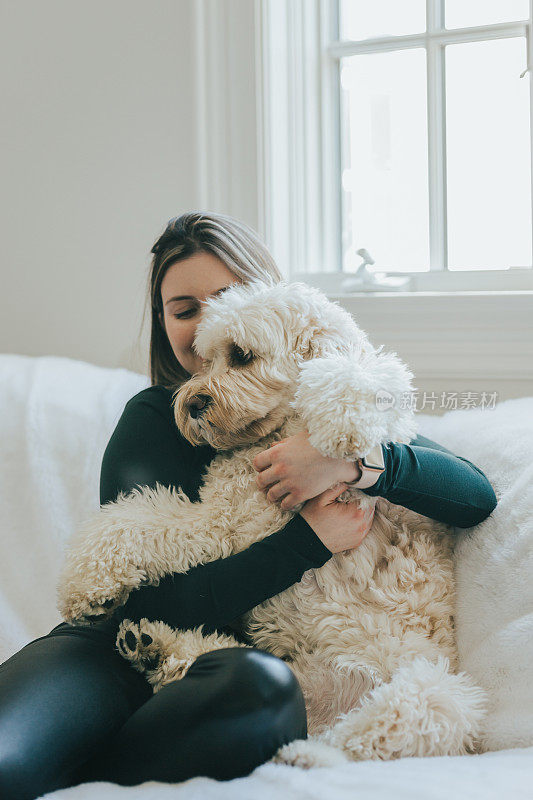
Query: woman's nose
{"points": [[198, 404]]}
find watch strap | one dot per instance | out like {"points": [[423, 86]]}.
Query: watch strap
{"points": [[371, 466]]}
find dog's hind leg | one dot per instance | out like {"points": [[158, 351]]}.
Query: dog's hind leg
{"points": [[425, 710], [163, 654]]}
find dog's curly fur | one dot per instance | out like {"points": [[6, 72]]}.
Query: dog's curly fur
{"points": [[369, 635]]}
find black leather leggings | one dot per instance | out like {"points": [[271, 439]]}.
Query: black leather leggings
{"points": [[72, 711]]}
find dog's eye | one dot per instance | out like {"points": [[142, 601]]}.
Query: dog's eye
{"points": [[238, 356]]}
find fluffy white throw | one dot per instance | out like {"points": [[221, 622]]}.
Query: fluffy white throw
{"points": [[494, 565], [56, 417]]}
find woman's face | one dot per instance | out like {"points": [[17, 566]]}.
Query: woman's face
{"points": [[185, 286]]}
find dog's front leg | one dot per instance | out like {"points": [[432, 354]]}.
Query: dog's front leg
{"points": [[349, 406], [135, 540]]}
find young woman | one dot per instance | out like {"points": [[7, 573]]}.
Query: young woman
{"points": [[71, 709]]}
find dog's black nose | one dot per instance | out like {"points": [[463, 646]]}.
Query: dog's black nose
{"points": [[197, 404]]}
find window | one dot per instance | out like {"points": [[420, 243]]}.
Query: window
{"points": [[414, 92], [405, 140]]}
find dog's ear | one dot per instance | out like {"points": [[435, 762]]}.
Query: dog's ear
{"points": [[330, 331], [314, 342], [319, 341]]}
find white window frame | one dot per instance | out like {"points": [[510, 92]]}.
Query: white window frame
{"points": [[299, 141]]}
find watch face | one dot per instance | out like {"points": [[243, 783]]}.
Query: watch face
{"points": [[374, 459]]}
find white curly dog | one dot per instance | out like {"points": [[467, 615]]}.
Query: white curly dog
{"points": [[369, 635]]}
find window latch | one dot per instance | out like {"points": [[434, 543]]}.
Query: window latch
{"points": [[365, 281]]}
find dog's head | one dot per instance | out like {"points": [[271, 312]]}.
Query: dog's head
{"points": [[253, 339]]}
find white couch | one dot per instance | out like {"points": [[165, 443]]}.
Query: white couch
{"points": [[56, 416]]}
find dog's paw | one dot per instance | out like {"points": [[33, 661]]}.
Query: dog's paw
{"points": [[94, 606], [95, 595], [138, 646], [307, 753]]}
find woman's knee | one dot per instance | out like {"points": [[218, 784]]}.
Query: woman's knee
{"points": [[251, 679], [232, 711]]}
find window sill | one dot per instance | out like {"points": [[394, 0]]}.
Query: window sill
{"points": [[431, 283], [408, 295]]}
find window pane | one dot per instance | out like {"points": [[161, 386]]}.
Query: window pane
{"points": [[384, 160], [488, 146], [467, 13], [360, 19]]}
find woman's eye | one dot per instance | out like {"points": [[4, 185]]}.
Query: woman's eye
{"points": [[183, 314], [239, 356]]}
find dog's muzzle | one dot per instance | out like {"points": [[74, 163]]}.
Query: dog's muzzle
{"points": [[198, 404]]}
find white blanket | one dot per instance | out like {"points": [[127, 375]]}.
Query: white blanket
{"points": [[494, 565], [56, 416], [491, 776]]}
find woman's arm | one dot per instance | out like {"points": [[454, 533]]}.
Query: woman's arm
{"points": [[219, 592], [426, 477], [422, 476], [147, 448]]}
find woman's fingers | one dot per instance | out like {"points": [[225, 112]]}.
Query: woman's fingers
{"points": [[331, 494], [276, 492], [266, 478], [287, 503], [262, 460], [358, 512]]}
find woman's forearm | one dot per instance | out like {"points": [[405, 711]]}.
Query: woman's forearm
{"points": [[217, 593], [427, 478]]}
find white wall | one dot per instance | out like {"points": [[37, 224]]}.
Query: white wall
{"points": [[101, 147]]}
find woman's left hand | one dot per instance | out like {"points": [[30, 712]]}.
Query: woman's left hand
{"points": [[294, 471]]}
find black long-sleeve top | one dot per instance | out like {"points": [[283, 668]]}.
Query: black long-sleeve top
{"points": [[147, 448]]}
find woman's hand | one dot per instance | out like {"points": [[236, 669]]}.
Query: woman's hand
{"points": [[340, 526], [294, 471]]}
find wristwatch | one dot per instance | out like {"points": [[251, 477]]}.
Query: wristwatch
{"points": [[372, 466]]}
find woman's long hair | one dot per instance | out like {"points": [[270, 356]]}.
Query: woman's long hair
{"points": [[233, 242]]}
